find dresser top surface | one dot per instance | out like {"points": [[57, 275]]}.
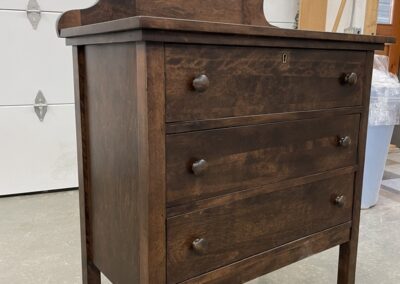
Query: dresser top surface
{"points": [[171, 24]]}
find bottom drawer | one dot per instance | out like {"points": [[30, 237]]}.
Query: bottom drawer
{"points": [[204, 240]]}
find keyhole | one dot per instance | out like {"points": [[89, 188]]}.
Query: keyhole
{"points": [[284, 58]]}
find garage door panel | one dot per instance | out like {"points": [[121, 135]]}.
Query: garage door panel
{"points": [[48, 5], [34, 60], [37, 156]]}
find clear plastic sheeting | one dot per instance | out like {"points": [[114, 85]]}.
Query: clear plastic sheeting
{"points": [[385, 94]]}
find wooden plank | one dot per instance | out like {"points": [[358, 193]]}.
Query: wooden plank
{"points": [[151, 23], [312, 15], [217, 39], [371, 15], [155, 194], [339, 16], [90, 274]]}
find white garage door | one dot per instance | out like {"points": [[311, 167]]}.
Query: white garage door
{"points": [[36, 155]]}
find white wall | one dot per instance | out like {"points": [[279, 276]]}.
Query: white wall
{"points": [[281, 13]]}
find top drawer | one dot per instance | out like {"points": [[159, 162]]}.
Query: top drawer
{"points": [[239, 81]]}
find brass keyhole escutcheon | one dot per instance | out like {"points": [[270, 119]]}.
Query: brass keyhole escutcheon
{"points": [[284, 58]]}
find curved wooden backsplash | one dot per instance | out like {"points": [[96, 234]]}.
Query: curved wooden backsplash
{"points": [[250, 12]]}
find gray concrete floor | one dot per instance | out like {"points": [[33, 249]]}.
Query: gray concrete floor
{"points": [[39, 243], [391, 178]]}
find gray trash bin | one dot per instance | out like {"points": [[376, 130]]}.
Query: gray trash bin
{"points": [[384, 115]]}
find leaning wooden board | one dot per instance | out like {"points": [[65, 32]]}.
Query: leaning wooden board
{"points": [[215, 152]]}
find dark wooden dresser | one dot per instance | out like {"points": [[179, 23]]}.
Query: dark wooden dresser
{"points": [[215, 148]]}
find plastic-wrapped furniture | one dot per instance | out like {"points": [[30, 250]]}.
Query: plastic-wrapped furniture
{"points": [[384, 115], [215, 148]]}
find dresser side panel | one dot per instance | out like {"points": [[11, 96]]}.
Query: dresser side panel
{"points": [[112, 137]]}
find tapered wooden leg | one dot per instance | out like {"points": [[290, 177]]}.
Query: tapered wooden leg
{"points": [[90, 274], [347, 263]]}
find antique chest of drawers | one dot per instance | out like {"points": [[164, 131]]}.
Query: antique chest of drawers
{"points": [[215, 152]]}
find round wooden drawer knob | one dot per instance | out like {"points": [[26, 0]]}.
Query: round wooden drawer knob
{"points": [[199, 245], [340, 201], [199, 167], [350, 79], [201, 83], [345, 141]]}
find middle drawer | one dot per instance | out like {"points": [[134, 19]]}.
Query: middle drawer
{"points": [[209, 163]]}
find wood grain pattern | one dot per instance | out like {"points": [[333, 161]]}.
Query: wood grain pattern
{"points": [[312, 15], [263, 263], [206, 10], [191, 27], [155, 195], [221, 200], [244, 157], [371, 16], [234, 92], [114, 213], [253, 13], [214, 38], [125, 140], [188, 126], [90, 273], [249, 12], [254, 224]]}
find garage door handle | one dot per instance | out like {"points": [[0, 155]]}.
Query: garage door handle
{"points": [[40, 106], [34, 13]]}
